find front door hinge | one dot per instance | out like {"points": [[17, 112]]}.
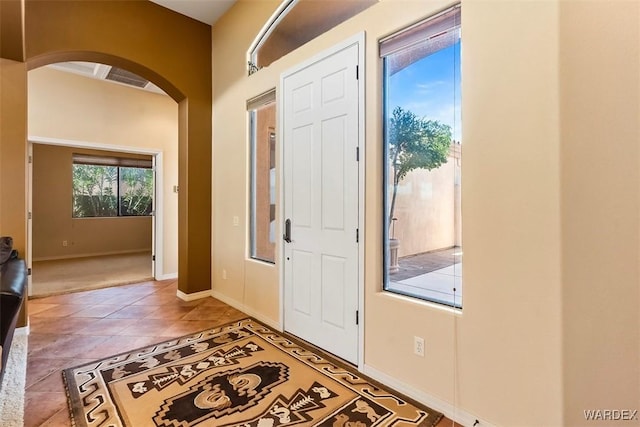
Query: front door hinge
{"points": [[357, 317], [29, 215], [28, 272], [153, 257], [357, 235], [30, 159]]}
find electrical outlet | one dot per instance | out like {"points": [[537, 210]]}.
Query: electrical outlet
{"points": [[236, 221], [65, 243], [418, 346], [224, 274]]}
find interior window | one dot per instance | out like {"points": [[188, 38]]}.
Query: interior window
{"points": [[111, 186], [262, 118], [423, 146], [295, 23]]}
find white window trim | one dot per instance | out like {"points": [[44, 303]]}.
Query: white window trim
{"points": [[282, 11]]}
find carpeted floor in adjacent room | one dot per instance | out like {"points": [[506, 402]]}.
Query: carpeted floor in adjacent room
{"points": [[85, 273]]}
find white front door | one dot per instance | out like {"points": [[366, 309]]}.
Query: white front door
{"points": [[320, 188]]}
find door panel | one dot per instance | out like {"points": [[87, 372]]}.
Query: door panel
{"points": [[302, 293], [333, 290], [320, 188], [333, 174], [302, 178]]}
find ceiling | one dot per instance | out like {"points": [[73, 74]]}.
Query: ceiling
{"points": [[207, 11], [107, 73]]}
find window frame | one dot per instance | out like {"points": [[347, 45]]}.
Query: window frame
{"points": [[285, 7], [405, 39], [265, 32], [118, 163], [264, 100]]}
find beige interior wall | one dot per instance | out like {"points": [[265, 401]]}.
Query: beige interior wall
{"points": [[509, 340], [247, 283], [600, 128], [13, 174], [529, 221], [13, 86], [53, 222], [67, 106]]}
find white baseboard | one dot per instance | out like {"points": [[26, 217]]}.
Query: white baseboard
{"points": [[240, 306], [169, 276], [194, 296], [456, 414]]}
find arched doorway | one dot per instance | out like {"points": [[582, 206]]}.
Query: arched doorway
{"points": [[133, 36]]}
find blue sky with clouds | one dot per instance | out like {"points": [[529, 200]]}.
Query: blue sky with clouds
{"points": [[430, 88]]}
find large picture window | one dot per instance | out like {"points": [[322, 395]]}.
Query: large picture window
{"points": [[262, 118], [423, 153], [111, 187]]}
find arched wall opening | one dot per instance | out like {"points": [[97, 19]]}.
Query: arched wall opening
{"points": [[133, 36]]}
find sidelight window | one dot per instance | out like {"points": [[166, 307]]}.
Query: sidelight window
{"points": [[423, 154], [262, 119]]}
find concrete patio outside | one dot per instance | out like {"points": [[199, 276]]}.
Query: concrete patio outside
{"points": [[435, 276]]}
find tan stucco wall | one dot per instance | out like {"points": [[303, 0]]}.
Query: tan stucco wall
{"points": [[71, 107], [426, 212], [550, 273]]}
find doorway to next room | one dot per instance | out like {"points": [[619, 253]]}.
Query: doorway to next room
{"points": [[92, 223]]}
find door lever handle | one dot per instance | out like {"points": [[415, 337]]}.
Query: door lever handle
{"points": [[287, 231]]}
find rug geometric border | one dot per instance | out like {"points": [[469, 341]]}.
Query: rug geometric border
{"points": [[89, 404]]}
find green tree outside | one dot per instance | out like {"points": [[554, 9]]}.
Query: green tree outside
{"points": [[95, 191], [136, 190], [414, 143]]}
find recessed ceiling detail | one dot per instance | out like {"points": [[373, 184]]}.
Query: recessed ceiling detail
{"points": [[107, 72], [126, 77]]}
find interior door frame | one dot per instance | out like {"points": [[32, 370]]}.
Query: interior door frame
{"points": [[157, 246], [359, 41]]}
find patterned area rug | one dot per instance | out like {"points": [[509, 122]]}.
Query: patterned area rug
{"points": [[242, 374]]}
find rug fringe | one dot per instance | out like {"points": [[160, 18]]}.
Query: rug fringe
{"points": [[70, 405]]}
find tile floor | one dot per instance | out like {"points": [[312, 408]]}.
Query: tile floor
{"points": [[71, 329]]}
